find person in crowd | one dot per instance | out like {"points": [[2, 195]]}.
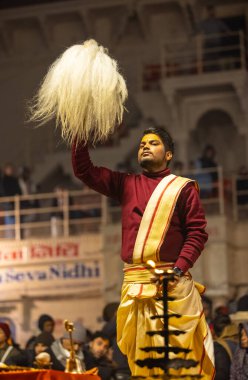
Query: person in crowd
{"points": [[96, 355], [42, 342], [208, 310], [208, 178], [225, 344], [221, 310], [239, 367], [9, 354], [60, 349], [46, 324], [122, 371], [27, 188], [213, 30], [11, 187], [241, 313]]}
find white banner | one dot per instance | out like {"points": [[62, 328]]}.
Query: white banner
{"points": [[50, 267]]}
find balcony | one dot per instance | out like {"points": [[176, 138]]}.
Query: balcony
{"points": [[73, 213], [201, 61]]}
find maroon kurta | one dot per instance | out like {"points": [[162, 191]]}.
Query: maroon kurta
{"points": [[186, 235]]}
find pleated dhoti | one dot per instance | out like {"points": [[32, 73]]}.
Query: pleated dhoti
{"points": [[138, 304]]}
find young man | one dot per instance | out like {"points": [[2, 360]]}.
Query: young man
{"points": [[96, 355], [163, 221]]}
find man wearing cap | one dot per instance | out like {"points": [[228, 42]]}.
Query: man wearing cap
{"points": [[60, 348], [9, 355], [162, 221]]}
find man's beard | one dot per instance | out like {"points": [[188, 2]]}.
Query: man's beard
{"points": [[146, 164]]}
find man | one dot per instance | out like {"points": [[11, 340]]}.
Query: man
{"points": [[42, 342], [46, 324], [9, 355], [174, 238], [85, 93], [60, 349], [96, 355]]}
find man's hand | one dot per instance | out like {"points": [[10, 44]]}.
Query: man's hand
{"points": [[173, 283]]}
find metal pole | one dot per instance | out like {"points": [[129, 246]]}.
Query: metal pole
{"points": [[221, 190], [166, 321], [17, 218], [66, 213]]}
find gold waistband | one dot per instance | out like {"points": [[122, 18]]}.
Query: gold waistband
{"points": [[142, 273]]}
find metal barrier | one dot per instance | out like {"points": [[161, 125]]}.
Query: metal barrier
{"points": [[237, 194], [199, 54], [70, 213], [51, 214]]}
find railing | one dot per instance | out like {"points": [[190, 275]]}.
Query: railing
{"points": [[237, 195], [69, 213], [200, 54], [51, 214], [211, 183]]}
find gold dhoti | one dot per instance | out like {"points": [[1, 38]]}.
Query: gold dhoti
{"points": [[138, 304]]}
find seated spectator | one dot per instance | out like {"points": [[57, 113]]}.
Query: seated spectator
{"points": [[241, 314], [96, 355], [122, 370], [208, 310], [42, 342], [60, 349], [239, 368], [225, 344], [9, 354], [45, 324]]}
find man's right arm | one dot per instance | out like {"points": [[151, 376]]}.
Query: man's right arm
{"points": [[102, 180]]}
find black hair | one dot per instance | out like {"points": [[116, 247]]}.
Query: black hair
{"points": [[207, 300], [44, 318], [100, 334], [164, 135], [109, 311], [220, 322]]}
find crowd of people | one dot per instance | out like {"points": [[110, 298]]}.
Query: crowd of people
{"points": [[94, 350], [98, 350]]}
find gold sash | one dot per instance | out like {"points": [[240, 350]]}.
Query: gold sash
{"points": [[156, 218]]}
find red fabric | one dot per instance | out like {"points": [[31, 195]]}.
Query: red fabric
{"points": [[45, 375], [6, 329], [186, 236]]}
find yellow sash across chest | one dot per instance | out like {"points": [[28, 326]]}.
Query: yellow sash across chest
{"points": [[156, 218]]}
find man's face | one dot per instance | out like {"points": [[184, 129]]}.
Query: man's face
{"points": [[40, 347], [48, 326], [2, 336], [152, 155], [99, 347], [244, 339]]}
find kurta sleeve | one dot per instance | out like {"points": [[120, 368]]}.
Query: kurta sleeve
{"points": [[100, 179], [194, 227]]}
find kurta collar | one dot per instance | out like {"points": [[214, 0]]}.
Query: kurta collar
{"points": [[160, 174]]}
